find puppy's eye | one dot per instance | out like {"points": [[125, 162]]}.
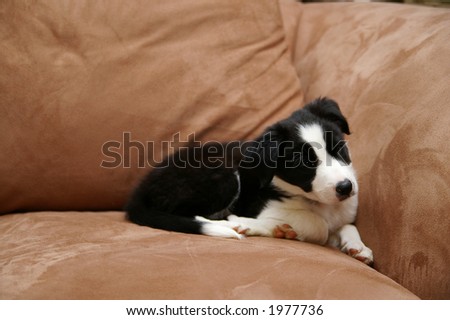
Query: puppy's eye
{"points": [[293, 161], [296, 158], [310, 163], [310, 159]]}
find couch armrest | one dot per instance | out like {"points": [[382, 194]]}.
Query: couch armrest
{"points": [[388, 67]]}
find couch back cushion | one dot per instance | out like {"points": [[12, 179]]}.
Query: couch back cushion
{"points": [[93, 93]]}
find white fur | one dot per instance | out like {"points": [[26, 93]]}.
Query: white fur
{"points": [[219, 228]]}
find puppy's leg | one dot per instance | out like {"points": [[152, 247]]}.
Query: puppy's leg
{"points": [[264, 227], [303, 226], [309, 226], [351, 243]]}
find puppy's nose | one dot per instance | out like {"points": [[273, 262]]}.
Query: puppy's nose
{"points": [[344, 188]]}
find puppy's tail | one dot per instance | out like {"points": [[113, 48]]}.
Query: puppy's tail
{"points": [[162, 220]]}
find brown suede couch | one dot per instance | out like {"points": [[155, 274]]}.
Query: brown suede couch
{"points": [[90, 90]]}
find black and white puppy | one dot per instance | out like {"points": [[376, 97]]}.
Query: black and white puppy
{"points": [[295, 181]]}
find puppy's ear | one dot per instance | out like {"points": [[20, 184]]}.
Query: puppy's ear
{"points": [[259, 160], [328, 109]]}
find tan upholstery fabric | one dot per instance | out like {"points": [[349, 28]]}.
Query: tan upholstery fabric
{"points": [[76, 74], [388, 67], [91, 255]]}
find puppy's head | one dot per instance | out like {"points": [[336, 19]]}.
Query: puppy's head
{"points": [[306, 154]]}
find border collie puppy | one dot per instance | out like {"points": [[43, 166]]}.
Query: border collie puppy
{"points": [[295, 181]]}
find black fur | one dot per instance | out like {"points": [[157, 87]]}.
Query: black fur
{"points": [[202, 181]]}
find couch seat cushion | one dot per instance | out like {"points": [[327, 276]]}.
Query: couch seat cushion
{"points": [[100, 255]]}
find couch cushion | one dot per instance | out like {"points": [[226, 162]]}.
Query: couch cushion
{"points": [[100, 255], [78, 74]]}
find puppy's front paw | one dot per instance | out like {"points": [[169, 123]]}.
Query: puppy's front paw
{"points": [[359, 251], [284, 231]]}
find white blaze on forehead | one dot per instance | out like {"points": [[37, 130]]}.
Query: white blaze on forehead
{"points": [[313, 134]]}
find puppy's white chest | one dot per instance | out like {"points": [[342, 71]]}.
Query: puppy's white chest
{"points": [[339, 214], [288, 208]]}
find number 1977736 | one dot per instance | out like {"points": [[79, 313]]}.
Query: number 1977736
{"points": [[295, 309]]}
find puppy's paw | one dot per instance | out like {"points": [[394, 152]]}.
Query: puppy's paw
{"points": [[359, 251], [284, 231], [242, 230]]}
